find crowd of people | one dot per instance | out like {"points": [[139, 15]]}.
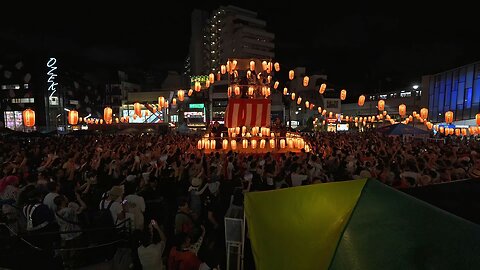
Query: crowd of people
{"points": [[173, 197]]}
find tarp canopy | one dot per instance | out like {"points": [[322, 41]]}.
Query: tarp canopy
{"points": [[356, 225], [401, 129]]}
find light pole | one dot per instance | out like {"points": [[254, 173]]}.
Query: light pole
{"points": [[415, 87]]}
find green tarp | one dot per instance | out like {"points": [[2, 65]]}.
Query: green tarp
{"points": [[356, 225]]}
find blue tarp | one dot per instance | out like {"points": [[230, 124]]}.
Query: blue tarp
{"points": [[401, 129]]}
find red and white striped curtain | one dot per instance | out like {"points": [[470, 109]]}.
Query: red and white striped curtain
{"points": [[248, 112]]}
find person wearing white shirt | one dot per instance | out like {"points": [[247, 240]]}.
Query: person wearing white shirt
{"points": [[48, 200], [151, 251]]}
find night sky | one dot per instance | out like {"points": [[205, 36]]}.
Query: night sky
{"points": [[361, 48]]}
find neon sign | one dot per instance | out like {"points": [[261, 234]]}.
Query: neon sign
{"points": [[51, 80]]}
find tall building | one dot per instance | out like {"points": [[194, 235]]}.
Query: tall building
{"points": [[456, 90], [229, 32]]}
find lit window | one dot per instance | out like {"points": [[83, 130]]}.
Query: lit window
{"points": [[25, 86]]}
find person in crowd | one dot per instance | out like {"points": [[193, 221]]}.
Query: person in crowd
{"points": [[150, 252]]}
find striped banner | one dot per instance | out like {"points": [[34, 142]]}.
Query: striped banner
{"points": [[248, 112]]}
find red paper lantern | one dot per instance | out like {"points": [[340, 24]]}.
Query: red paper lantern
{"points": [[29, 118]]}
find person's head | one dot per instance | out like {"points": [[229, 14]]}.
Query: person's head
{"points": [[115, 193], [53, 187], [183, 204], [60, 201], [150, 236]]}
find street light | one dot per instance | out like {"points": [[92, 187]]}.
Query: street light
{"points": [[415, 87]]}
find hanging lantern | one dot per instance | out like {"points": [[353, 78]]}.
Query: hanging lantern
{"points": [[107, 114], [234, 65], [249, 74], [127, 119], [441, 129], [267, 92], [293, 96], [147, 113], [269, 67], [262, 143], [319, 109], [291, 74], [272, 135], [117, 120], [225, 144], [285, 91], [275, 86], [477, 118], [299, 100], [211, 77], [402, 110], [381, 105], [252, 65], [290, 143], [356, 119], [361, 100], [213, 144], [259, 76], [229, 91], [414, 113], [244, 143], [161, 102], [424, 113], [207, 84], [322, 89], [233, 144], [282, 143], [28, 118], [235, 74], [223, 69], [101, 121], [197, 87], [324, 112], [190, 92], [237, 130], [343, 94], [272, 143], [264, 65], [72, 117], [307, 104], [276, 66], [457, 132], [346, 118], [137, 109], [410, 118], [306, 80], [206, 144], [237, 90], [219, 76], [311, 106], [330, 115], [449, 117], [250, 90], [181, 95], [122, 119], [269, 79], [464, 132], [174, 102]]}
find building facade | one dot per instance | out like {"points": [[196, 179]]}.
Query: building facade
{"points": [[456, 90], [412, 98], [229, 32]]}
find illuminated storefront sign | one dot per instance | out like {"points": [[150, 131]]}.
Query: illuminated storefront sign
{"points": [[196, 106], [52, 76]]}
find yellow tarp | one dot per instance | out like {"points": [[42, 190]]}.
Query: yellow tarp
{"points": [[299, 228]]}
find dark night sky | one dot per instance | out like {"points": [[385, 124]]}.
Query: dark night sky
{"points": [[359, 47]]}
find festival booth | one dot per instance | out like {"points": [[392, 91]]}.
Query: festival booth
{"points": [[361, 224]]}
